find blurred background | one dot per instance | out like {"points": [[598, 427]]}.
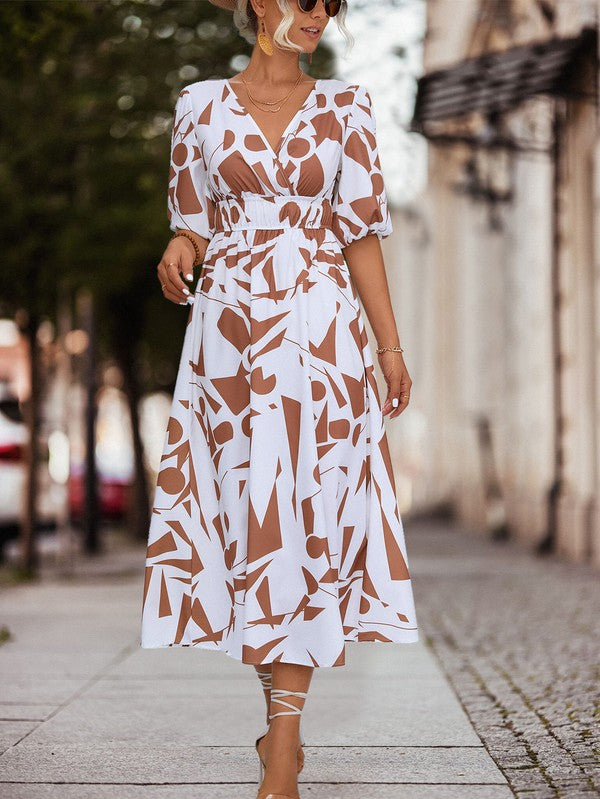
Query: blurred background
{"points": [[487, 122]]}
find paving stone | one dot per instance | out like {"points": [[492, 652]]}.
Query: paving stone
{"points": [[348, 713], [165, 762], [31, 711], [248, 791], [13, 731], [36, 689]]}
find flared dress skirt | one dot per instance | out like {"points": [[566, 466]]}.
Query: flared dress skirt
{"points": [[275, 532]]}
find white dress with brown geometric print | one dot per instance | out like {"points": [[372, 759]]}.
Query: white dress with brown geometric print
{"points": [[275, 533]]}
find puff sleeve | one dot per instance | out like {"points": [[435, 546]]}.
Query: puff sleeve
{"points": [[189, 205], [359, 201]]}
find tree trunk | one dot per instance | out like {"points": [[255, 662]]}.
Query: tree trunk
{"points": [[127, 312], [90, 515], [29, 553], [139, 509]]}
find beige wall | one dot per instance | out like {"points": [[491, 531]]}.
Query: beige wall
{"points": [[474, 310], [580, 327]]}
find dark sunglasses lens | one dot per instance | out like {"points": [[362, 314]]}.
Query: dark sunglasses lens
{"points": [[331, 6]]}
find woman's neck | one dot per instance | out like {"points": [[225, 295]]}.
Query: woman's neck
{"points": [[279, 69]]}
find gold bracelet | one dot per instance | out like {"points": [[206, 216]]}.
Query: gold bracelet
{"points": [[189, 236], [379, 350]]}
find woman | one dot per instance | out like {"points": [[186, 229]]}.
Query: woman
{"points": [[275, 534]]}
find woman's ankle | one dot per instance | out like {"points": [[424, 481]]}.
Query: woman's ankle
{"points": [[282, 735]]}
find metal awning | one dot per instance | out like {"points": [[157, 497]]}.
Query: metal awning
{"points": [[499, 81]]}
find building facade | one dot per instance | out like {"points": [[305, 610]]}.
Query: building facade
{"points": [[495, 273]]}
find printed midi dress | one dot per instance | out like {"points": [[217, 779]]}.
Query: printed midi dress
{"points": [[275, 533]]}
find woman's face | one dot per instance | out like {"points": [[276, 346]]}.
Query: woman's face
{"points": [[308, 26]]}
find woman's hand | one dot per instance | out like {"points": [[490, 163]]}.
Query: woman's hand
{"points": [[398, 382], [177, 262]]}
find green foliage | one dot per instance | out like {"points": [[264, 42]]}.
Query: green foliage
{"points": [[87, 92]]}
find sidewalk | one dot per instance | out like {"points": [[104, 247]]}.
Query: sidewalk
{"points": [[519, 638], [85, 712]]}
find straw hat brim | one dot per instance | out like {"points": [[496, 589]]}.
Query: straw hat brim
{"points": [[228, 5]]}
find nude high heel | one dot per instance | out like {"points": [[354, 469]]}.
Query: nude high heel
{"points": [[276, 693], [265, 678]]}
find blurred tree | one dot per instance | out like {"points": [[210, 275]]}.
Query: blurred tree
{"points": [[87, 92]]}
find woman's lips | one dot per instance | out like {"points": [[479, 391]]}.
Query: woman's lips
{"points": [[312, 34]]}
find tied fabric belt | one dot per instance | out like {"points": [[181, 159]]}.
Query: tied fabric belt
{"points": [[272, 212]]}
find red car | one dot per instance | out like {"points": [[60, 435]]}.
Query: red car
{"points": [[113, 495]]}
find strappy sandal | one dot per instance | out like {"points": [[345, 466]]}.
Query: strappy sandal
{"points": [[276, 694], [265, 678]]}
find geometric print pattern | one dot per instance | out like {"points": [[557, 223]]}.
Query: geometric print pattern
{"points": [[275, 533]]}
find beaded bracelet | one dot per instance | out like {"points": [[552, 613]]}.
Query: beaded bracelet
{"points": [[379, 350], [189, 236]]}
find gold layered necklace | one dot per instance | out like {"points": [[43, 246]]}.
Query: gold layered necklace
{"points": [[271, 102]]}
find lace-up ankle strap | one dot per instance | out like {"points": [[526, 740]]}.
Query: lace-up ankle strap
{"points": [[294, 710], [265, 678]]}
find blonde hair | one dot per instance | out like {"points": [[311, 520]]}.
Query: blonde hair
{"points": [[246, 21]]}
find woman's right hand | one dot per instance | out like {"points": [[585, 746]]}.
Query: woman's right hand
{"points": [[177, 262]]}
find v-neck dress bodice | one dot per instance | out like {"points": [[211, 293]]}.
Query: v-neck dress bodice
{"points": [[275, 532], [327, 152], [274, 151]]}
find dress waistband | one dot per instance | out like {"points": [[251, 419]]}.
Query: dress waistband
{"points": [[262, 212]]}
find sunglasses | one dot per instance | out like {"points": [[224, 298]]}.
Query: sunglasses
{"points": [[331, 6]]}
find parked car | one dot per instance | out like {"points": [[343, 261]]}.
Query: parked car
{"points": [[14, 438], [13, 441], [114, 458], [114, 463], [113, 494]]}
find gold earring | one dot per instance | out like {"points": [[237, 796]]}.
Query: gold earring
{"points": [[264, 42]]}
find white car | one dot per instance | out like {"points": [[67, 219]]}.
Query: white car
{"points": [[14, 437], [13, 443]]}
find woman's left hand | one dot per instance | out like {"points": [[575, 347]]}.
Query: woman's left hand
{"points": [[398, 382]]}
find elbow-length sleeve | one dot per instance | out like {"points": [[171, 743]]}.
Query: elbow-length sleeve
{"points": [[189, 205], [360, 202]]}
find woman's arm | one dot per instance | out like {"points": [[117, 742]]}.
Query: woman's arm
{"points": [[188, 203], [367, 270]]}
